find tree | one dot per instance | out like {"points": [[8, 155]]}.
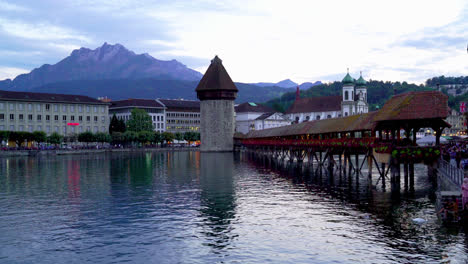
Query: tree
{"points": [[4, 135], [86, 137], [191, 136], [145, 136], [114, 125], [55, 138], [168, 137], [19, 137], [122, 126], [158, 137], [117, 138], [39, 136], [130, 136], [178, 136], [140, 120], [102, 137]]}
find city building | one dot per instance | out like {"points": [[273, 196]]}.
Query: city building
{"points": [[156, 110], [252, 116], [61, 113], [458, 122], [181, 115], [352, 101]]}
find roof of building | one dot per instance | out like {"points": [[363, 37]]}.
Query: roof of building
{"points": [[253, 107], [348, 79], [180, 104], [216, 78], [48, 97], [414, 105], [136, 103], [316, 104], [361, 82], [342, 124], [267, 115]]}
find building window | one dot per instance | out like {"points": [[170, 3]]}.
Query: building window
{"points": [[12, 128], [73, 129], [20, 107], [38, 107], [88, 129], [80, 118], [30, 128], [12, 106], [81, 129], [30, 117], [39, 128], [307, 118], [103, 118], [328, 116], [346, 95], [55, 108], [56, 117], [346, 114], [95, 119], [103, 129], [48, 129], [64, 130], [47, 117], [95, 109], [20, 117], [2, 116], [72, 108], [317, 117], [2, 106], [57, 129], [102, 109], [29, 107], [352, 95], [47, 107], [64, 118], [87, 109], [80, 108], [88, 118], [64, 108], [72, 118], [39, 117], [21, 128]]}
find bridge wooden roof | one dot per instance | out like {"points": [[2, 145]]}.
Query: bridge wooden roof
{"points": [[421, 108], [342, 124]]}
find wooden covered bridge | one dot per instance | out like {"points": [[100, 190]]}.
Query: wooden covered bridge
{"points": [[334, 143]]}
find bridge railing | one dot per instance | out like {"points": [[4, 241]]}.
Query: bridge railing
{"points": [[335, 142], [454, 174]]}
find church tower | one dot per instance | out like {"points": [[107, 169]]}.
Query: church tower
{"points": [[217, 93], [361, 96], [347, 104]]}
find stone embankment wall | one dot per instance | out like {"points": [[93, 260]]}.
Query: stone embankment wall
{"points": [[85, 151]]}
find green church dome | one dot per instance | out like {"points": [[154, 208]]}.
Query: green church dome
{"points": [[361, 81], [348, 79]]}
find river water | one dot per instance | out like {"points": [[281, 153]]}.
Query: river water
{"points": [[191, 207]]}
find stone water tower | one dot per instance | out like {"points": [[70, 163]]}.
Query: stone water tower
{"points": [[217, 93]]}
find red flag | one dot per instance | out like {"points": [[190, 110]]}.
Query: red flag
{"points": [[462, 107]]}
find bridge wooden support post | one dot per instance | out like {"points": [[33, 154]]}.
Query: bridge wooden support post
{"points": [[382, 174], [411, 176], [395, 175], [369, 165], [357, 164], [405, 172]]}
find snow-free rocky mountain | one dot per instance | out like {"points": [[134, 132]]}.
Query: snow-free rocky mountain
{"points": [[103, 63]]}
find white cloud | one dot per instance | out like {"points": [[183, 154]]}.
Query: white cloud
{"points": [[39, 31], [12, 7], [11, 72]]}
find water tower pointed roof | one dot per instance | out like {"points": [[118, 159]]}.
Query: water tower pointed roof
{"points": [[216, 78]]}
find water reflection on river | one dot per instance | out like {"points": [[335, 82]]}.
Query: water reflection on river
{"points": [[190, 207]]}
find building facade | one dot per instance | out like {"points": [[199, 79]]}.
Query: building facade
{"points": [[181, 115], [353, 101], [252, 116], [155, 109], [458, 122], [64, 114]]}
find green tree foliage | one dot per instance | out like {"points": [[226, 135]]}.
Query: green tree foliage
{"points": [[191, 136], [118, 138], [179, 136], [19, 137], [4, 135], [55, 138], [145, 137], [140, 120], [168, 137], [114, 125], [130, 136], [158, 137], [39, 136], [442, 80], [102, 137], [86, 137], [122, 126]]}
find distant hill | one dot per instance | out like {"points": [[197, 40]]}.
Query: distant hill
{"points": [[153, 88], [283, 84], [103, 63], [308, 85]]}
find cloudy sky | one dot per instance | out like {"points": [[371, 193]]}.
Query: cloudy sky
{"points": [[258, 40]]}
